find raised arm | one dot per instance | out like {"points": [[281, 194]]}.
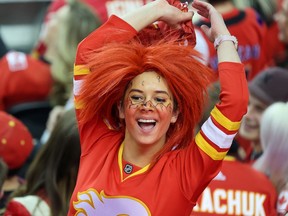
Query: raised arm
{"points": [[159, 10], [226, 50]]}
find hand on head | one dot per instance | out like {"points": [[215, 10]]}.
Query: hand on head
{"points": [[172, 15]]}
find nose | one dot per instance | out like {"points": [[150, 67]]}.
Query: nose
{"points": [[147, 105]]}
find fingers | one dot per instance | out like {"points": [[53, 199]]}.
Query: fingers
{"points": [[202, 8]]}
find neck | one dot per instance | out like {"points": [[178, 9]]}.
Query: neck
{"points": [[256, 145], [139, 154]]}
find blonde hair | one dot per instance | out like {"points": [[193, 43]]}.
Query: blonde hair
{"points": [[274, 141], [79, 23]]}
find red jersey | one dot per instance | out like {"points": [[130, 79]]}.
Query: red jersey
{"points": [[23, 79], [172, 186], [250, 31], [238, 189]]}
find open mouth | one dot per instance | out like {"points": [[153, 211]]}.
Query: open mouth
{"points": [[146, 124]]}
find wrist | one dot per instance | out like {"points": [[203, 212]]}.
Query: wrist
{"points": [[222, 38]]}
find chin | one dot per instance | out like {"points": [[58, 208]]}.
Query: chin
{"points": [[249, 135]]}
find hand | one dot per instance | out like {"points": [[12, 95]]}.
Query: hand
{"points": [[218, 26], [172, 15]]}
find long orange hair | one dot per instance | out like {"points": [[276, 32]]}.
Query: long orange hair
{"points": [[115, 65]]}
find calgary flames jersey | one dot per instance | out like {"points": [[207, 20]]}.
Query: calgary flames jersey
{"points": [[171, 187]]}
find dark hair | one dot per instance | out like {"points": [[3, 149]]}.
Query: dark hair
{"points": [[55, 167]]}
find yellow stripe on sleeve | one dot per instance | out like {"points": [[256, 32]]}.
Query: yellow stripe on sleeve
{"points": [[78, 105], [208, 149], [224, 121], [81, 70]]}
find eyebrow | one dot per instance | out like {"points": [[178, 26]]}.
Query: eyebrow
{"points": [[157, 91]]}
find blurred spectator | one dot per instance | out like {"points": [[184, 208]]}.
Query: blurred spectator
{"points": [[267, 8], [3, 175], [3, 48], [52, 175], [269, 86], [103, 9], [281, 18], [63, 31], [238, 189], [16, 145], [23, 79], [273, 161], [250, 31]]}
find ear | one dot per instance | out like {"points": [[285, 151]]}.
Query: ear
{"points": [[120, 110], [174, 116]]}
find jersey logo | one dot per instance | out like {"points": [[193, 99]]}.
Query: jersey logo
{"points": [[128, 169], [91, 203]]}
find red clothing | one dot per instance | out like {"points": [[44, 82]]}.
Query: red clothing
{"points": [[27, 206], [23, 79], [237, 190], [282, 203], [174, 183], [103, 8], [250, 31]]}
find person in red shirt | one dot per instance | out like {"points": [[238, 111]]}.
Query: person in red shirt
{"points": [[137, 101], [20, 76], [250, 30], [238, 189], [268, 87]]}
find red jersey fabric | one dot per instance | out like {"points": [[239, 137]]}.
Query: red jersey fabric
{"points": [[23, 79], [250, 31], [171, 187], [238, 189]]}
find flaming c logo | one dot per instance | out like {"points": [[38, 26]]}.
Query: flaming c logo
{"points": [[92, 203]]}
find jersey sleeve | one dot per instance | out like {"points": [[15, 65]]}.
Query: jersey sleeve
{"points": [[114, 30], [216, 134]]}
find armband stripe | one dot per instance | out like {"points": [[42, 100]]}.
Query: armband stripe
{"points": [[217, 136], [208, 149], [77, 84], [224, 121], [78, 104], [81, 70]]}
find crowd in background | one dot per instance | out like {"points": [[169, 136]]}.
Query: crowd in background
{"points": [[38, 168]]}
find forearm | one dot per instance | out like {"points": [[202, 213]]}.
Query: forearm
{"points": [[144, 16], [227, 52]]}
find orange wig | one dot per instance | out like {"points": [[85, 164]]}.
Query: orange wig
{"points": [[115, 65]]}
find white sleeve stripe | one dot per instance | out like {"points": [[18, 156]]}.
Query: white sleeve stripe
{"points": [[217, 136], [77, 86]]}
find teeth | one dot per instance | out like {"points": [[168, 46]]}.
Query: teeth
{"points": [[146, 121]]}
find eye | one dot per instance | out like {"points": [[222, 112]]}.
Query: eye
{"points": [[137, 98], [160, 100]]}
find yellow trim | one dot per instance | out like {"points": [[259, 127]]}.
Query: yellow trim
{"points": [[120, 155], [224, 121], [229, 158], [81, 70], [208, 149], [78, 105]]}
